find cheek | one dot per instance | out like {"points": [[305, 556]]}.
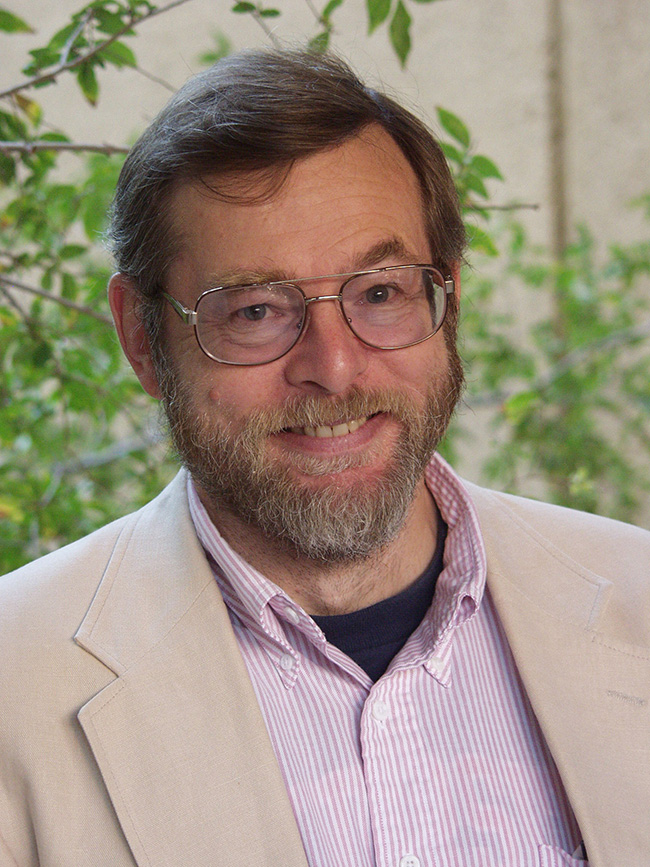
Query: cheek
{"points": [[420, 364], [239, 391]]}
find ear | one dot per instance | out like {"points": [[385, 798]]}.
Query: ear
{"points": [[123, 298]]}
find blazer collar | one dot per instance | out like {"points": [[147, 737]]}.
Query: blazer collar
{"points": [[178, 736]]}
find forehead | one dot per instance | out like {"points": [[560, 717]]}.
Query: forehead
{"points": [[331, 209]]}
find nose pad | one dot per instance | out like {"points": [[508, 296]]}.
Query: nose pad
{"points": [[310, 302], [327, 356]]}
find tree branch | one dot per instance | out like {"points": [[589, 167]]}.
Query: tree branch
{"points": [[314, 11], [515, 206], [31, 147], [114, 452], [67, 48], [66, 66], [269, 32], [570, 360], [87, 311], [154, 78]]}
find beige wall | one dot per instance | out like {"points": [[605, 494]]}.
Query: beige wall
{"points": [[487, 60]]}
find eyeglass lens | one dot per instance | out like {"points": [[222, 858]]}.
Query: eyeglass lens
{"points": [[256, 324]]}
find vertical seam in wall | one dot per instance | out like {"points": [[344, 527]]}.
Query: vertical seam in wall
{"points": [[557, 129]]}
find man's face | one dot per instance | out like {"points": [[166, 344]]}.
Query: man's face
{"points": [[247, 433]]}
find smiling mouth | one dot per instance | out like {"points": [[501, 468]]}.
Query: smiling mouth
{"points": [[338, 430]]}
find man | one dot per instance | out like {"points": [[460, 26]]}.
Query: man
{"points": [[292, 656]]}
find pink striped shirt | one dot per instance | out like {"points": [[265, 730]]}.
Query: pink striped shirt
{"points": [[440, 763]]}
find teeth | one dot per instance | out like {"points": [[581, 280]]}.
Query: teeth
{"points": [[338, 430]]}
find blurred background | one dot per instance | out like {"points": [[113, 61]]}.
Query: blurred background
{"points": [[544, 110]]}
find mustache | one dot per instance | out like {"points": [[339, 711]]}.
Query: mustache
{"points": [[312, 411]]}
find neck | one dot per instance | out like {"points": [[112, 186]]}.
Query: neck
{"points": [[337, 588]]}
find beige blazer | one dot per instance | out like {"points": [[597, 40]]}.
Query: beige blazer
{"points": [[129, 729]]}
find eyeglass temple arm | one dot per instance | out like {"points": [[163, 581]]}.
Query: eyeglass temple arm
{"points": [[188, 316], [450, 286]]}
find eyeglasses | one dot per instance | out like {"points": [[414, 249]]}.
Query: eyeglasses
{"points": [[386, 308]]}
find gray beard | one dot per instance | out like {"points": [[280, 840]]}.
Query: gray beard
{"points": [[332, 524]]}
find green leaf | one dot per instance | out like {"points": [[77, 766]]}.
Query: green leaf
{"points": [[244, 6], [519, 406], [118, 54], [71, 251], [62, 36], [29, 107], [88, 82], [331, 6], [109, 22], [7, 169], [378, 12], [452, 153], [10, 23], [53, 136], [320, 42], [453, 125], [222, 48], [41, 59], [68, 285], [484, 167], [476, 184], [399, 31], [41, 354], [480, 241], [269, 13]]}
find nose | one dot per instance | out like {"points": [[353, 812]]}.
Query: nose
{"points": [[328, 358]]}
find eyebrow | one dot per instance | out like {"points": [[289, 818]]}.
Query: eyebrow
{"points": [[390, 248]]}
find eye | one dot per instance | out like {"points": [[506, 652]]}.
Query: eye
{"points": [[379, 294], [254, 313]]}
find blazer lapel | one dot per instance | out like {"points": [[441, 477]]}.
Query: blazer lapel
{"points": [[178, 736], [589, 690]]}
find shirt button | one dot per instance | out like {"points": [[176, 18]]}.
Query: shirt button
{"points": [[292, 616], [436, 663], [409, 861], [380, 711], [287, 662]]}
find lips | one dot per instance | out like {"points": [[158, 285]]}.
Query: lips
{"points": [[338, 430]]}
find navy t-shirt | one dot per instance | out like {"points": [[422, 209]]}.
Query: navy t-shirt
{"points": [[372, 636]]}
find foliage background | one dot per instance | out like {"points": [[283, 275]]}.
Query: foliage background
{"points": [[557, 407]]}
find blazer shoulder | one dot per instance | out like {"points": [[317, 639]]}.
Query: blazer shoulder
{"points": [[54, 591], [558, 522], [524, 533]]}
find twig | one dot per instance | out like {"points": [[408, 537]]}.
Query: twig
{"points": [[269, 32], [99, 459], [12, 301], [72, 64], [314, 11], [155, 79], [570, 360], [64, 302], [67, 48], [31, 147], [515, 206]]}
